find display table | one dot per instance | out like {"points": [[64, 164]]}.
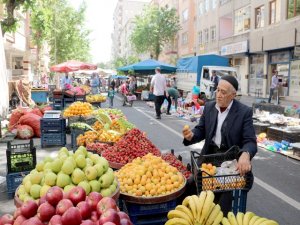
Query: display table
{"points": [[39, 95]]}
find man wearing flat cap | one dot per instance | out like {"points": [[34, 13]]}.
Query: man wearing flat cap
{"points": [[225, 123]]}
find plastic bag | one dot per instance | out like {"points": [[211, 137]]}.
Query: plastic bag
{"points": [[14, 119], [33, 121], [37, 112], [24, 132]]}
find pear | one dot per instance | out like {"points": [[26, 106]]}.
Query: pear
{"points": [[68, 167], [63, 180], [78, 176]]}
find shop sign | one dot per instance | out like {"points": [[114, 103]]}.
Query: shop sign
{"points": [[297, 51], [239, 47]]}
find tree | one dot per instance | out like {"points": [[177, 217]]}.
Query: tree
{"points": [[124, 61], [154, 29]]}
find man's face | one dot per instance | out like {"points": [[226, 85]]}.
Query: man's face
{"points": [[224, 93]]}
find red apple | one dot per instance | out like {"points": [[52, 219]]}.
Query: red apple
{"points": [[63, 205], [110, 215], [105, 204], [6, 219], [125, 222], [55, 220], [66, 195], [42, 200], [107, 223], [19, 220], [54, 195], [29, 209], [45, 212], [93, 199], [88, 222], [85, 210], [17, 213], [71, 216], [77, 194], [94, 216], [33, 221], [123, 215]]}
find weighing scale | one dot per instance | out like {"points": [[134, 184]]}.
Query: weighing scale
{"points": [[52, 114]]}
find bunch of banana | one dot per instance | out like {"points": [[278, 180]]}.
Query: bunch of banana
{"points": [[249, 218], [196, 210]]}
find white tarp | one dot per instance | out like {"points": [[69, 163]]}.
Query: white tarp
{"points": [[4, 100]]}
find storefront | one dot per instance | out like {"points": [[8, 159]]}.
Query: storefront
{"points": [[256, 75]]}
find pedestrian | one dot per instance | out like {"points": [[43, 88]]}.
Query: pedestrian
{"points": [[215, 79], [124, 91], [111, 95], [225, 123], [158, 87], [66, 82], [173, 95], [94, 84], [274, 86], [113, 84], [100, 82], [132, 84]]}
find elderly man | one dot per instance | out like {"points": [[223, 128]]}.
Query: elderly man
{"points": [[226, 122]]}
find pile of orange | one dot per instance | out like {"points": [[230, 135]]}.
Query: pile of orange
{"points": [[149, 176], [208, 169], [98, 126], [78, 109], [87, 138]]}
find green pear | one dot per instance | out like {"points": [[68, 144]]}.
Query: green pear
{"points": [[68, 167], [68, 187], [44, 190], [78, 152], [115, 182], [80, 161], [35, 191], [78, 176], [63, 150], [63, 180], [40, 166], [36, 178], [91, 173], [27, 198], [48, 159], [100, 169], [89, 155], [26, 178], [94, 158], [50, 179], [106, 180], [22, 196], [86, 186], [63, 157], [89, 162], [106, 192], [102, 161], [72, 159], [27, 186], [95, 185], [21, 190], [112, 188], [47, 166], [83, 149], [56, 165], [33, 171]]}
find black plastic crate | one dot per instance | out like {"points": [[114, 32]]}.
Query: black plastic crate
{"points": [[68, 102], [260, 128], [58, 104], [74, 134], [20, 157], [159, 219], [274, 133], [96, 104], [292, 137], [53, 139], [53, 125], [13, 180], [79, 98]]}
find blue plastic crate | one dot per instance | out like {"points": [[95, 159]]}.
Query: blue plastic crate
{"points": [[13, 180], [239, 201], [53, 125], [149, 219], [53, 139], [39, 96]]}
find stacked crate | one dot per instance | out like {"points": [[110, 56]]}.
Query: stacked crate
{"points": [[53, 132], [21, 159], [57, 99], [68, 101]]}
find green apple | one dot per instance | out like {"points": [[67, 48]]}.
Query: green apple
{"points": [[86, 186], [36, 177], [26, 178], [27, 186], [50, 179], [100, 169], [21, 190], [91, 173], [35, 191], [112, 188], [102, 161], [63, 180], [22, 196], [63, 150], [89, 162], [83, 149], [78, 176], [80, 161], [95, 185], [44, 190], [56, 165], [40, 166], [106, 180], [68, 187], [48, 159], [106, 192], [68, 167]]}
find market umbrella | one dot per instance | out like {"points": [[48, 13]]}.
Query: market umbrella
{"points": [[71, 66]]}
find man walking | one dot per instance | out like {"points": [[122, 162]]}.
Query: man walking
{"points": [[274, 86], [158, 86], [215, 79]]}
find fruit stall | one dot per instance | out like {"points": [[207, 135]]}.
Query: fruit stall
{"points": [[114, 175]]}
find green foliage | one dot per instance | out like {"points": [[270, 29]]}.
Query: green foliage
{"points": [[153, 29], [124, 61]]}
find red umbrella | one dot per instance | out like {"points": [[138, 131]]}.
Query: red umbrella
{"points": [[72, 65]]}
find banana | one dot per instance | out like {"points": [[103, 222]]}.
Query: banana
{"points": [[253, 219], [260, 220], [232, 219], [185, 202], [239, 218], [209, 212], [218, 219], [202, 197], [177, 221], [269, 222], [206, 207], [192, 206], [247, 218], [225, 221], [185, 210], [178, 214], [197, 203], [213, 215]]}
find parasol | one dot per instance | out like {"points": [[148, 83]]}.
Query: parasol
{"points": [[71, 66]]}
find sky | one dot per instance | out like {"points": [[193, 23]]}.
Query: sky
{"points": [[99, 18]]}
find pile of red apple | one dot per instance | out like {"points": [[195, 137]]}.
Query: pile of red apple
{"points": [[97, 147], [132, 145], [173, 161], [73, 208]]}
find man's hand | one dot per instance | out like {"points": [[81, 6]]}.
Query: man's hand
{"points": [[187, 133], [244, 164]]}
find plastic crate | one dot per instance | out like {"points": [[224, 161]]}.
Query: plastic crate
{"points": [[58, 103], [74, 134], [96, 104], [13, 180], [159, 219], [20, 157], [292, 137], [39, 96], [80, 98], [260, 128], [53, 139], [53, 125], [68, 102], [275, 133], [239, 201]]}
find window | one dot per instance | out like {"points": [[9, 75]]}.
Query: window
{"points": [[206, 6], [213, 33], [185, 15], [214, 4], [223, 2], [272, 12], [206, 35], [184, 40], [242, 20], [293, 8], [200, 37], [201, 8], [259, 17]]}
